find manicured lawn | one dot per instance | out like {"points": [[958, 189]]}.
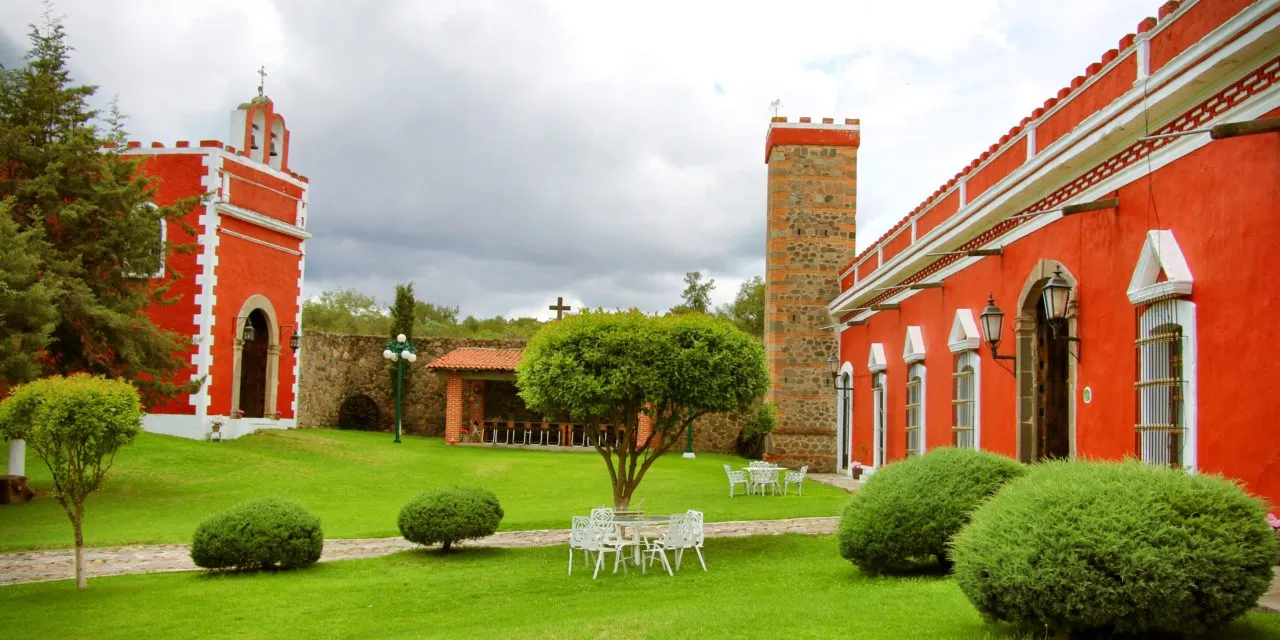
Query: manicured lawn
{"points": [[762, 587], [162, 487]]}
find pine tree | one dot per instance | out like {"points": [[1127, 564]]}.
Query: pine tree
{"points": [[87, 212], [26, 304]]}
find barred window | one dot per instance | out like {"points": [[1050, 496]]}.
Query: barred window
{"points": [[964, 405], [880, 409], [915, 410], [1161, 385]]}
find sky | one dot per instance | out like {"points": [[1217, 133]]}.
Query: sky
{"points": [[500, 153]]}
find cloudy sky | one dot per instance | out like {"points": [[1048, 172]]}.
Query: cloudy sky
{"points": [[502, 152]]}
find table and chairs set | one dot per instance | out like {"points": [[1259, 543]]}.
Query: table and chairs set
{"points": [[760, 475], [553, 434], [636, 538]]}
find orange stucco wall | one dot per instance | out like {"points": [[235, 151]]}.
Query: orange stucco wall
{"points": [[1221, 204]]}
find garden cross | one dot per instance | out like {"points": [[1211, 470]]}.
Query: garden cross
{"points": [[559, 307]]}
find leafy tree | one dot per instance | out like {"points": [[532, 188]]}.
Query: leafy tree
{"points": [[696, 295], [345, 311], [75, 425], [402, 321], [85, 210], [27, 311], [351, 312], [746, 312], [606, 368]]}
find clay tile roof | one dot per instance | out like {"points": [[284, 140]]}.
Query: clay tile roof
{"points": [[478, 359]]}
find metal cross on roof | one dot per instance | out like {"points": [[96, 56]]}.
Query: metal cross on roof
{"points": [[262, 78], [559, 307]]}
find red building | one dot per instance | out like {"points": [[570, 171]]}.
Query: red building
{"points": [[240, 290], [1126, 231]]}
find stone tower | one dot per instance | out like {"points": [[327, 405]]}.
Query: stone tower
{"points": [[811, 212]]}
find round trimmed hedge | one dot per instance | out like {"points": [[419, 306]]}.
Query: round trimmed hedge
{"points": [[1116, 548], [269, 533], [450, 514], [908, 511]]}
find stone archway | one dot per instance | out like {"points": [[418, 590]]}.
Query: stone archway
{"points": [[261, 358], [1046, 372]]}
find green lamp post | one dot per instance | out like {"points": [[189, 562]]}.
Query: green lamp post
{"points": [[398, 351], [688, 443]]}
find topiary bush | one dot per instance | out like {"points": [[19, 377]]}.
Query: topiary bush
{"points": [[907, 511], [1107, 548], [450, 514], [260, 534]]}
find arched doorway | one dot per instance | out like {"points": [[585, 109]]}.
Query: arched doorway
{"points": [[1046, 372], [253, 367]]}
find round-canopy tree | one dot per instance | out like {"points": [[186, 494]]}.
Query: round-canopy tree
{"points": [[607, 368]]}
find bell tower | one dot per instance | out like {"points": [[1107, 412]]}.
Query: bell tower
{"points": [[811, 215], [259, 131]]}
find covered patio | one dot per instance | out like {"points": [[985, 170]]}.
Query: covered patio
{"points": [[482, 406]]}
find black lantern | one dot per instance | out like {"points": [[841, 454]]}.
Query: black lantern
{"points": [[992, 324], [248, 332], [831, 365], [294, 341], [1056, 295]]}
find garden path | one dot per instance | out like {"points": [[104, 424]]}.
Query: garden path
{"points": [[40, 566], [1271, 601]]}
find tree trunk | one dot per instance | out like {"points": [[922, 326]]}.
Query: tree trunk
{"points": [[445, 546], [80, 577]]}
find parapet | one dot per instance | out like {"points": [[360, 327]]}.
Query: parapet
{"points": [[807, 132]]}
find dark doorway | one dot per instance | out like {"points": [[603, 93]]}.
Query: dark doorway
{"points": [[253, 368], [845, 394], [1053, 393]]}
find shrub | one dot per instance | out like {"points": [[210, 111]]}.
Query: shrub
{"points": [[1108, 548], [270, 533], [907, 511], [449, 515], [750, 441]]}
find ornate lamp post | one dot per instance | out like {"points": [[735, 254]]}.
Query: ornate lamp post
{"points": [[688, 443], [398, 351]]}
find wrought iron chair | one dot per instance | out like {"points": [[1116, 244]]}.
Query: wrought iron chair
{"points": [[736, 478], [796, 478]]}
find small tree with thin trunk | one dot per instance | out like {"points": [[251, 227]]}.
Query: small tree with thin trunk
{"points": [[602, 368], [75, 425]]}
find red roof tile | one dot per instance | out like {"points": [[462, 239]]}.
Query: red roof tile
{"points": [[478, 359]]}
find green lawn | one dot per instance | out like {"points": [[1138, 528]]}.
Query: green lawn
{"points": [[162, 487], [763, 587]]}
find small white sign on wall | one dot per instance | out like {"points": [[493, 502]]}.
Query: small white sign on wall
{"points": [[1088, 395]]}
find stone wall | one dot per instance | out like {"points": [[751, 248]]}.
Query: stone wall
{"points": [[811, 215], [335, 367]]}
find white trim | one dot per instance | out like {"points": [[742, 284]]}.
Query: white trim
{"points": [[975, 361], [207, 279], [844, 410], [222, 153], [263, 221], [876, 362], [964, 191], [1142, 44], [1185, 311], [831, 126], [913, 345], [1031, 140], [923, 408], [196, 427], [1084, 140], [1252, 108], [1160, 253], [879, 418], [263, 186], [265, 168], [236, 234], [964, 332]]}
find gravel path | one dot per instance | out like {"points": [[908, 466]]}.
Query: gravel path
{"points": [[40, 566]]}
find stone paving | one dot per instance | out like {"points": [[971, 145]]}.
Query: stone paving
{"points": [[836, 480], [40, 566], [1271, 601]]}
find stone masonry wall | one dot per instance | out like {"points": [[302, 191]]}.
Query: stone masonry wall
{"points": [[811, 225], [335, 367]]}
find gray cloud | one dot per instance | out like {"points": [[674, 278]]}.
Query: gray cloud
{"points": [[500, 154]]}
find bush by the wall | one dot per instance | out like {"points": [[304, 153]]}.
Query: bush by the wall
{"points": [[450, 514], [909, 510], [260, 534], [1094, 547]]}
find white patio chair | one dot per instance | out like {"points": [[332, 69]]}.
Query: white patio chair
{"points": [[674, 537], [736, 478], [692, 539], [588, 538], [796, 478]]}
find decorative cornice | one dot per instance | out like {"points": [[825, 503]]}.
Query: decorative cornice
{"points": [[266, 222]]}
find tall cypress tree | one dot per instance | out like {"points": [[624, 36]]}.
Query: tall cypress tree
{"points": [[86, 213], [402, 312]]}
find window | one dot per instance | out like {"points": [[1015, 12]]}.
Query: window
{"points": [[965, 405], [880, 409], [1165, 424], [146, 215], [1161, 386], [915, 410]]}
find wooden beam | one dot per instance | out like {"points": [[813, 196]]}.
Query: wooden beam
{"points": [[1105, 203], [891, 306], [1246, 128], [974, 253], [925, 285]]}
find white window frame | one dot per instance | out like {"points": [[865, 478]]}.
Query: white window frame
{"points": [[964, 343], [844, 410], [914, 371], [1183, 314], [969, 359], [879, 417], [1160, 254]]}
